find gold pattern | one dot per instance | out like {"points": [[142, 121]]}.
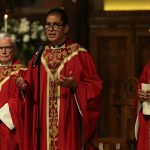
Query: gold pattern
{"points": [[53, 59], [8, 70]]}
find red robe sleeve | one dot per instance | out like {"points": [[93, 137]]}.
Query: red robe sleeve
{"points": [[16, 107], [88, 95], [89, 86], [11, 111]]}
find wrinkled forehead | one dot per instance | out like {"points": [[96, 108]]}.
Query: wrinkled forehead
{"points": [[6, 41]]}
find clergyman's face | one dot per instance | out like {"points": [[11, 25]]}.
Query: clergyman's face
{"points": [[55, 29], [6, 51]]}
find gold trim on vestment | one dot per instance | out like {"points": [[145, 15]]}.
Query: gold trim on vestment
{"points": [[9, 73], [51, 78]]}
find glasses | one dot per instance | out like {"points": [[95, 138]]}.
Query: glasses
{"points": [[54, 26], [6, 48]]}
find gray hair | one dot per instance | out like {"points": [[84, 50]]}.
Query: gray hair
{"points": [[7, 35]]}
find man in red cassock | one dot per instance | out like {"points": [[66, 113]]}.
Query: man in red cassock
{"points": [[10, 125], [143, 116], [70, 91]]}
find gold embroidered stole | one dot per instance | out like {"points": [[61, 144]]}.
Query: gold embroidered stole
{"points": [[54, 61]]}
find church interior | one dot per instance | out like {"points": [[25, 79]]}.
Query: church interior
{"points": [[117, 35]]}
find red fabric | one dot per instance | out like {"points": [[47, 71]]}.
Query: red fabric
{"points": [[10, 139], [88, 92], [143, 137]]}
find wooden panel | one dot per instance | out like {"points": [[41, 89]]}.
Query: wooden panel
{"points": [[111, 49], [143, 49], [119, 44], [77, 12], [52, 3], [123, 113], [122, 116]]}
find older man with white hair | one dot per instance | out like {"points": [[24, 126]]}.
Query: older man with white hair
{"points": [[10, 126]]}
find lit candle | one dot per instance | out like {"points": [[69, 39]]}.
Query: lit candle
{"points": [[5, 22]]}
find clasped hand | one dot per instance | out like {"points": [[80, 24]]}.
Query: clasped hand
{"points": [[144, 95]]}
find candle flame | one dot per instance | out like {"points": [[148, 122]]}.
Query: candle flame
{"points": [[5, 16]]}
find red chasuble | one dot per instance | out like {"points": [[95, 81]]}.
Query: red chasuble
{"points": [[10, 125], [60, 119], [143, 136]]}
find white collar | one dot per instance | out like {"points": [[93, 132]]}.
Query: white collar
{"points": [[59, 46]]}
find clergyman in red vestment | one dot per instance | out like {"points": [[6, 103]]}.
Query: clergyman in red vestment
{"points": [[143, 110], [70, 91], [10, 124]]}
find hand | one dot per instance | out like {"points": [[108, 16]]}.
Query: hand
{"points": [[68, 82], [20, 82], [144, 95]]}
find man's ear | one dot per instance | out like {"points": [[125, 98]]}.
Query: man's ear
{"points": [[66, 29]]}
